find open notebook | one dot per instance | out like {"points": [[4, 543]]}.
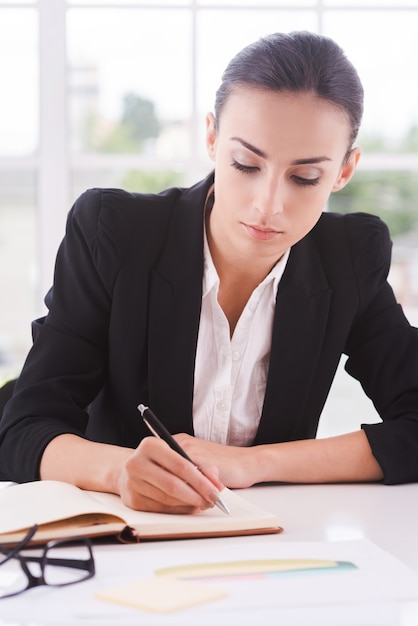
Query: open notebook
{"points": [[62, 511]]}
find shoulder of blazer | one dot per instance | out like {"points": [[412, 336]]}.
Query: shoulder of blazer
{"points": [[360, 240], [123, 223], [358, 232], [341, 252]]}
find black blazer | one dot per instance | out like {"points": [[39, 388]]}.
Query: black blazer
{"points": [[123, 322]]}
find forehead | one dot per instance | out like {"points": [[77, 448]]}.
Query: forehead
{"points": [[273, 118]]}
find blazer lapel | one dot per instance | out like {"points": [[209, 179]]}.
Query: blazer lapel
{"points": [[302, 308], [174, 311]]}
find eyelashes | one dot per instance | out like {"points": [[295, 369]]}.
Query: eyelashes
{"points": [[305, 181], [299, 180], [246, 169]]}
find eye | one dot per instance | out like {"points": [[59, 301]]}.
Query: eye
{"points": [[299, 180], [246, 169]]}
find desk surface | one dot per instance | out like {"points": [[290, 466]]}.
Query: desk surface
{"points": [[385, 515]]}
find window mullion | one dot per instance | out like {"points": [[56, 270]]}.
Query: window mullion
{"points": [[53, 180]]}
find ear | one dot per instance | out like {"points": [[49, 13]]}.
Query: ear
{"points": [[348, 169], [211, 135]]}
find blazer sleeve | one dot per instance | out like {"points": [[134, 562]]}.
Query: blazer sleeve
{"points": [[66, 365], [382, 351]]}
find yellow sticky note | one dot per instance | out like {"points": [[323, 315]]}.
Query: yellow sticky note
{"points": [[161, 595]]}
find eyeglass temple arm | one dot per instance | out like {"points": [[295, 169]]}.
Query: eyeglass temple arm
{"points": [[11, 554]]}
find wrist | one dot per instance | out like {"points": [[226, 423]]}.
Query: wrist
{"points": [[265, 463], [112, 475], [86, 464]]}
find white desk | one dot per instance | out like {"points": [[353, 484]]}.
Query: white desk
{"points": [[388, 516]]}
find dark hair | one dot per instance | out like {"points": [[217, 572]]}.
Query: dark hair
{"points": [[297, 62]]}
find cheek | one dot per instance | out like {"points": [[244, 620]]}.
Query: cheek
{"points": [[231, 190], [314, 217], [308, 213], [315, 202]]}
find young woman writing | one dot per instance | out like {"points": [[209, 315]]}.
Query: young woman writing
{"points": [[225, 308]]}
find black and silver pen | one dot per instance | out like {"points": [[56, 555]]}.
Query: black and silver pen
{"points": [[159, 430]]}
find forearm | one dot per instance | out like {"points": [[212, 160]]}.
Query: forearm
{"points": [[345, 458], [87, 464], [153, 477]]}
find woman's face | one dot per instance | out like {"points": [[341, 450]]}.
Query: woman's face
{"points": [[277, 156]]}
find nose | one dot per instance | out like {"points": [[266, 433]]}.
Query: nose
{"points": [[271, 198]]}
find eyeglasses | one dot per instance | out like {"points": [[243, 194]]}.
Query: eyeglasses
{"points": [[20, 572]]}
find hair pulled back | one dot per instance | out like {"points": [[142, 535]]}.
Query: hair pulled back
{"points": [[297, 62]]}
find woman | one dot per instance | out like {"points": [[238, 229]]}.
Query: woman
{"points": [[225, 308]]}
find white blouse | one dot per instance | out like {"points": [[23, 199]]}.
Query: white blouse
{"points": [[231, 373]]}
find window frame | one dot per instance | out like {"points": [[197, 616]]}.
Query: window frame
{"points": [[53, 162]]}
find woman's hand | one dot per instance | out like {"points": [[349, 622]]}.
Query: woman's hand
{"points": [[156, 478], [237, 466], [150, 478]]}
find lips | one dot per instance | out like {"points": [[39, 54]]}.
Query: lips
{"points": [[261, 233]]}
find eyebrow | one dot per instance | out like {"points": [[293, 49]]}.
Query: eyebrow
{"points": [[263, 155]]}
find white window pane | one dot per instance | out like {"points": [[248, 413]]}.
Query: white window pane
{"points": [[134, 177], [17, 267], [19, 81], [146, 58], [385, 53]]}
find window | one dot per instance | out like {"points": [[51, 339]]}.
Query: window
{"points": [[101, 93], [19, 111]]}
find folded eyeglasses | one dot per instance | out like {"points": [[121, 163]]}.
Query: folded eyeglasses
{"points": [[20, 572]]}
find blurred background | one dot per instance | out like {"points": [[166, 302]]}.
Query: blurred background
{"points": [[114, 94]]}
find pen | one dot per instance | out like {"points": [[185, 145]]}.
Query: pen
{"points": [[160, 431]]}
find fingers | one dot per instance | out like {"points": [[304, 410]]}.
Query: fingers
{"points": [[212, 473], [198, 448], [156, 478]]}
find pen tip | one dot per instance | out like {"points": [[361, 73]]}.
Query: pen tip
{"points": [[141, 408], [221, 505]]}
